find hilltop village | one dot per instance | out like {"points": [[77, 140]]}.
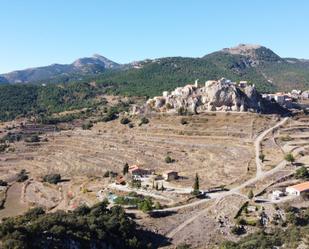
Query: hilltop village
{"points": [[221, 95]]}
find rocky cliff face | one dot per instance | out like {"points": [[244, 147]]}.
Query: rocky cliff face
{"points": [[219, 95]]}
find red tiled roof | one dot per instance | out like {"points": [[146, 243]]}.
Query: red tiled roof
{"points": [[301, 187]]}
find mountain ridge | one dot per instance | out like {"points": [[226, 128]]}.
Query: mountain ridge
{"points": [[85, 65], [251, 62]]}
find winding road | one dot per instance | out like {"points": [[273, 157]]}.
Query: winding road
{"points": [[217, 196], [257, 145], [259, 173]]}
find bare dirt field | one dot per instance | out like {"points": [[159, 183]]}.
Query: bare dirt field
{"points": [[217, 146]]}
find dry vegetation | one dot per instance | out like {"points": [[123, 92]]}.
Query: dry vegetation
{"points": [[217, 146]]}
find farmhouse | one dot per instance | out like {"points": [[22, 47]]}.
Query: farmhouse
{"points": [[135, 170], [298, 188], [170, 175]]}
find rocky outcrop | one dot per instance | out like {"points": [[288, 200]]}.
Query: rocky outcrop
{"points": [[222, 95]]}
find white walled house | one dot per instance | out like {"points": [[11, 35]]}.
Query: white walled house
{"points": [[277, 194], [298, 188]]}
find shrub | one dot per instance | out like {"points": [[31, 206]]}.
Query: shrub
{"points": [[158, 205], [168, 159], [183, 246], [3, 183], [251, 222], [3, 147], [285, 138], [183, 121], [33, 139], [87, 126], [182, 111], [143, 120], [125, 121], [52, 178], [136, 183], [106, 174], [250, 194], [262, 157], [238, 230], [22, 176]]}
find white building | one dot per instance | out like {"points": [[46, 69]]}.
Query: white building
{"points": [[298, 188], [165, 93], [305, 95], [277, 194]]}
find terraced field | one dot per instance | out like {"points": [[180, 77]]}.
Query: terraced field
{"points": [[216, 146]]}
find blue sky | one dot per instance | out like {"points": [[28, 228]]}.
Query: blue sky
{"points": [[42, 32]]}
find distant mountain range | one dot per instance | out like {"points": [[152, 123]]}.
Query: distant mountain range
{"points": [[83, 66], [255, 63]]}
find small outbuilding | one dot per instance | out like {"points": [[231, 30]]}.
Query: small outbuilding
{"points": [[298, 188], [278, 193], [120, 180], [170, 175]]}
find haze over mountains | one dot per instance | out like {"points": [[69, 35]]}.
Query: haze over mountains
{"points": [[254, 63]]}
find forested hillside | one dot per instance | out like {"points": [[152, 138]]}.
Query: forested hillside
{"points": [[22, 100], [96, 227]]}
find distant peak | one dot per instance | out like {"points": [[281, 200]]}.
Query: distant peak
{"points": [[97, 56], [256, 53], [242, 48]]}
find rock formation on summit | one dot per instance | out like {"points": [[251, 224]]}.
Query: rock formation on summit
{"points": [[221, 95]]}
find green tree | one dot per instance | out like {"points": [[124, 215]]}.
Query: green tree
{"points": [[302, 173], [289, 158], [125, 169], [196, 185], [52, 178], [262, 157], [156, 186], [250, 194], [146, 205]]}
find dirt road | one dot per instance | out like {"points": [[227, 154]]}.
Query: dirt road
{"points": [[259, 174], [257, 145]]}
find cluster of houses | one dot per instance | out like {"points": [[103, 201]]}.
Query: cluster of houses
{"points": [[136, 172], [296, 190], [287, 98], [224, 81]]}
